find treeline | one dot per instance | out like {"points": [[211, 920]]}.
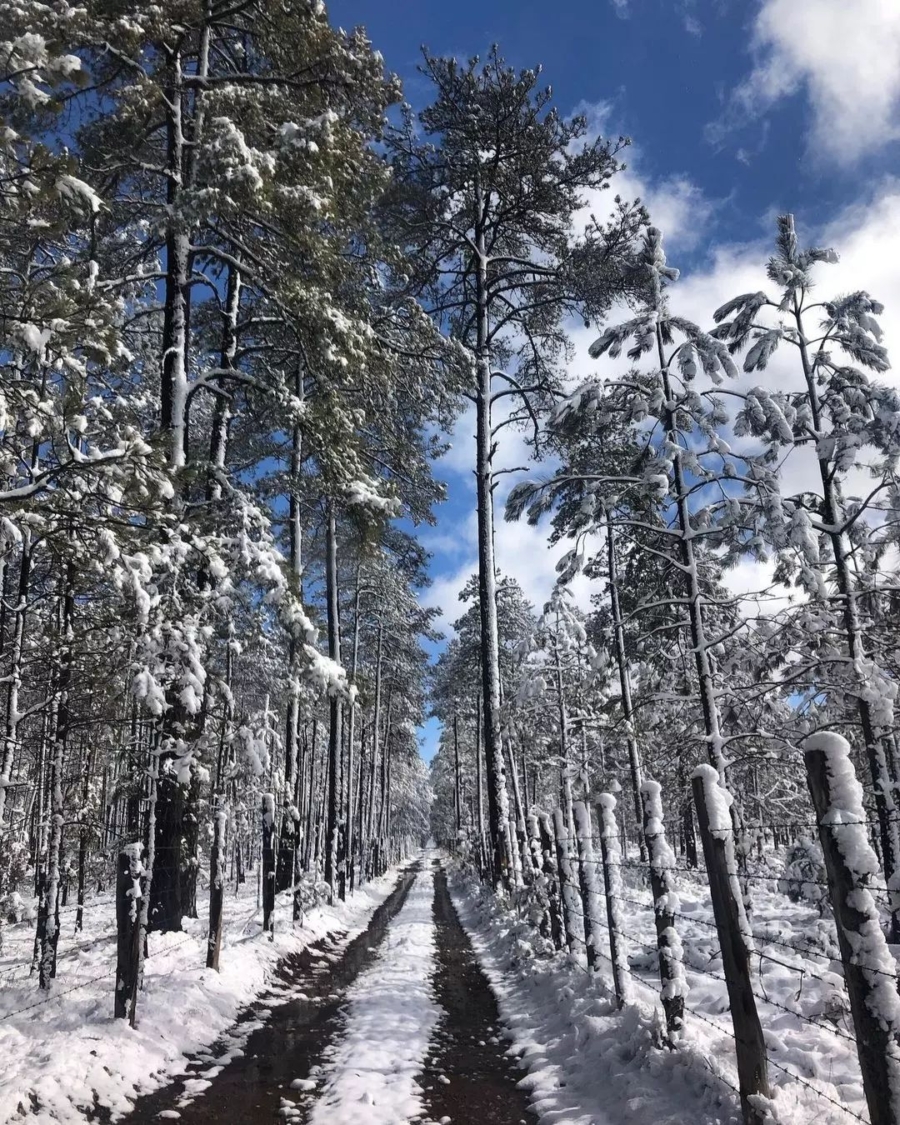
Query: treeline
{"points": [[769, 437], [219, 399]]}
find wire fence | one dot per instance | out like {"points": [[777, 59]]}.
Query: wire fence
{"points": [[561, 865], [58, 993]]}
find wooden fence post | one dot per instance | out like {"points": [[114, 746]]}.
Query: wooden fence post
{"points": [[611, 855], [869, 969], [590, 893], [573, 911], [551, 874], [128, 930], [268, 862], [665, 907], [717, 833], [216, 890]]}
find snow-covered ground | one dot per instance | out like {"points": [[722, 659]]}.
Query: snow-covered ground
{"points": [[58, 1051], [588, 1064], [371, 1072]]}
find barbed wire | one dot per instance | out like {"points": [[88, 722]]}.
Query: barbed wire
{"points": [[691, 918], [631, 865], [58, 994], [718, 1027]]}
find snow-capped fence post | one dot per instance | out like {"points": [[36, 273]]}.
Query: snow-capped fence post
{"points": [[611, 856], [869, 968], [216, 890], [128, 930], [573, 913], [554, 903], [717, 834], [590, 894], [268, 862], [665, 907]]}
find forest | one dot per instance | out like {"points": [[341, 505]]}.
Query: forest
{"points": [[246, 293]]}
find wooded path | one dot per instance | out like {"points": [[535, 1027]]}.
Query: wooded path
{"points": [[399, 1025]]}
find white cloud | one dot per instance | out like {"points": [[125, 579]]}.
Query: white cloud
{"points": [[845, 55]]}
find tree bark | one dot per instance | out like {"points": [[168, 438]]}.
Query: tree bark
{"points": [[634, 754], [335, 714]]}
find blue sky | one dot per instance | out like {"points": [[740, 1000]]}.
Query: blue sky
{"points": [[738, 110]]}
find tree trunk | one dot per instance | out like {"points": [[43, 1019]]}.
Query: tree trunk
{"points": [[14, 676], [865, 955], [733, 932], [482, 853], [634, 754], [349, 841], [498, 804], [49, 909], [335, 716], [216, 890], [268, 862], [457, 793]]}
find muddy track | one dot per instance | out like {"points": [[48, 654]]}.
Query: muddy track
{"points": [[245, 1084], [466, 1048]]}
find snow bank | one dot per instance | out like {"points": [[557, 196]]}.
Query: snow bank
{"points": [[588, 1064], [64, 1051]]}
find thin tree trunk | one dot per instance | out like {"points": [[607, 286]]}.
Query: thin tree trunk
{"points": [[457, 796], [696, 599], [478, 762], [634, 754], [50, 904], [14, 676], [498, 803], [335, 711], [349, 842]]}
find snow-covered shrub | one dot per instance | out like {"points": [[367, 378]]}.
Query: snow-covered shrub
{"points": [[14, 908], [804, 876]]}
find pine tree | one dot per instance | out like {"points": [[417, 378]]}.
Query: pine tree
{"points": [[486, 201], [828, 538]]}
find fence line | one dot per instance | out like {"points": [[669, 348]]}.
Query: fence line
{"points": [[581, 926]]}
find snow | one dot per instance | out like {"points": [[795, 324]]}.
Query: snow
{"points": [[34, 338], [718, 799], [65, 1048], [78, 192], [364, 493], [391, 1014], [586, 1063]]}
